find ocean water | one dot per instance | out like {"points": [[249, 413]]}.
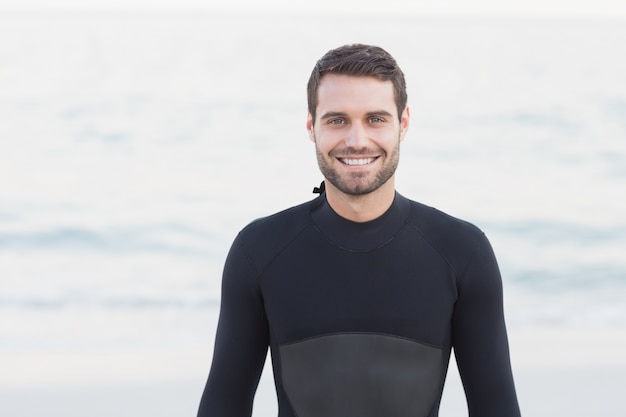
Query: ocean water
{"points": [[134, 146]]}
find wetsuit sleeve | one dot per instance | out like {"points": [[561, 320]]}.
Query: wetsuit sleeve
{"points": [[240, 344], [480, 341]]}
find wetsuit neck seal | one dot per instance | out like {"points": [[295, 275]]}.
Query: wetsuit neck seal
{"points": [[360, 236]]}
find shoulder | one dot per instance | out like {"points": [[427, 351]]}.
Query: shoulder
{"points": [[436, 223], [281, 224], [264, 238], [455, 239]]}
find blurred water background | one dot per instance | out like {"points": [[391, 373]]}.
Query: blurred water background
{"points": [[134, 146]]}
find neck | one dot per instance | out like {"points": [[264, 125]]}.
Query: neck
{"points": [[361, 208]]}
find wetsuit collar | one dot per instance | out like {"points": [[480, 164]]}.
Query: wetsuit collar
{"points": [[360, 237]]}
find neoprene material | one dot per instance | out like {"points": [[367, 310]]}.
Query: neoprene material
{"points": [[365, 375], [360, 317]]}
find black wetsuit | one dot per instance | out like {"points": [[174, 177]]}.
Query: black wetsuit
{"points": [[360, 317]]}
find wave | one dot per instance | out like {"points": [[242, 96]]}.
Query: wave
{"points": [[172, 238], [556, 231], [114, 303]]}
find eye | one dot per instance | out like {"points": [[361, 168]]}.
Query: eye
{"points": [[376, 119], [336, 122]]}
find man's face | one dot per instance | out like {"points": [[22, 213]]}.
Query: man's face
{"points": [[356, 132]]}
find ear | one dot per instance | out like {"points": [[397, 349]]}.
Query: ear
{"points": [[310, 127], [404, 122]]}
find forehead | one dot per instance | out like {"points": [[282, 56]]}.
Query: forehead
{"points": [[339, 92]]}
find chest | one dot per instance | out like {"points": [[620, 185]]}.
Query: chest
{"points": [[403, 288]]}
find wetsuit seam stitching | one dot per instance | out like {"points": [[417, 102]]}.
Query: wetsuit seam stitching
{"points": [[432, 245], [383, 244], [248, 258], [279, 252], [408, 339], [260, 271], [339, 246], [470, 260]]}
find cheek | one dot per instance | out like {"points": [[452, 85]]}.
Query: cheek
{"points": [[326, 138]]}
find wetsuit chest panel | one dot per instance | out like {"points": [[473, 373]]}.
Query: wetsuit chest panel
{"points": [[361, 375], [389, 290]]}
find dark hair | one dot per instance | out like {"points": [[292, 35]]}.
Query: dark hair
{"points": [[360, 61]]}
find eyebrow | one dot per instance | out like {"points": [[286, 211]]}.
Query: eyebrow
{"points": [[332, 114], [380, 113]]}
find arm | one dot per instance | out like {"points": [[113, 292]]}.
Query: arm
{"points": [[240, 343], [479, 338]]}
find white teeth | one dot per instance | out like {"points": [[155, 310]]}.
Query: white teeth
{"points": [[363, 161]]}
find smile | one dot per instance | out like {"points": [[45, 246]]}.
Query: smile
{"points": [[360, 161]]}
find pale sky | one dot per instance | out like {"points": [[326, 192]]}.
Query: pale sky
{"points": [[543, 8]]}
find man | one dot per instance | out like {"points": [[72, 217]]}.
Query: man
{"points": [[360, 293]]}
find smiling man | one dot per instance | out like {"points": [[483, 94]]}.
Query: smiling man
{"points": [[357, 132], [361, 294]]}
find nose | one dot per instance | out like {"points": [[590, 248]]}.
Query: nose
{"points": [[357, 136]]}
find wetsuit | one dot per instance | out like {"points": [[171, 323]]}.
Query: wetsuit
{"points": [[360, 317]]}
